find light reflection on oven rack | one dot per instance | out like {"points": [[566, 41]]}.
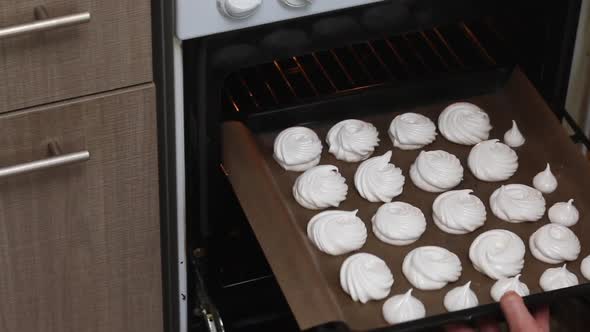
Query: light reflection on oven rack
{"points": [[391, 60]]}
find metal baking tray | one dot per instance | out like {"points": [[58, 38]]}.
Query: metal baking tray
{"points": [[309, 278]]}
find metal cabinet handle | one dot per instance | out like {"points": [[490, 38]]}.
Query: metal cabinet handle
{"points": [[44, 24], [37, 165]]}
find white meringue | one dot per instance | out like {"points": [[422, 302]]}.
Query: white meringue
{"points": [[337, 232], [513, 137], [365, 277], [431, 267], [497, 253], [410, 131], [377, 180], [320, 187], [554, 244], [556, 278], [517, 203], [436, 171], [352, 140], [458, 212], [297, 149], [402, 308], [492, 161], [564, 213], [398, 223], [545, 181], [505, 285], [464, 123], [585, 267], [460, 298]]}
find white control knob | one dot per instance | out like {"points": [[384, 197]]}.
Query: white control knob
{"points": [[297, 3], [238, 8]]}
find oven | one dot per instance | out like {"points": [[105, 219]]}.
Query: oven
{"points": [[276, 63]]}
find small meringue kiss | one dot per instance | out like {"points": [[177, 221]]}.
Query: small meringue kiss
{"points": [[517, 203], [297, 149], [460, 298], [492, 161], [505, 285], [320, 187], [436, 171], [564, 213], [556, 278], [513, 137], [545, 181], [431, 267], [402, 308], [365, 277], [458, 212], [377, 180], [554, 244], [464, 123], [410, 131], [398, 223], [352, 140], [337, 232], [585, 267]]}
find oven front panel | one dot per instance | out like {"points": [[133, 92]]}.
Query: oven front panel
{"points": [[197, 18]]}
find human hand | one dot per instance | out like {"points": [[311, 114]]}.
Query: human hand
{"points": [[517, 315]]}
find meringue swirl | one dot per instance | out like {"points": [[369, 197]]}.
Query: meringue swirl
{"points": [[585, 267], [403, 308], [320, 187], [297, 149], [377, 180], [497, 253], [464, 123], [505, 285], [352, 140], [460, 298], [492, 161], [458, 212], [436, 171], [564, 213], [556, 278], [398, 223], [365, 277], [554, 244], [517, 203], [337, 232], [410, 131], [431, 267]]}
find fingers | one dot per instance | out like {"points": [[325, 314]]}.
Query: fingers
{"points": [[458, 328], [542, 318], [517, 315]]}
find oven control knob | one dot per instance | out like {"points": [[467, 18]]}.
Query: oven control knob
{"points": [[238, 8], [297, 3]]}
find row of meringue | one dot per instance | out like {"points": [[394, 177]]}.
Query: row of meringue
{"points": [[299, 148], [378, 180]]}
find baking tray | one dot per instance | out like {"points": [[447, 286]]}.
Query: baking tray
{"points": [[309, 278]]}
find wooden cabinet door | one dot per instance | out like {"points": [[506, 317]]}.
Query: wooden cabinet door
{"points": [[80, 243], [113, 50]]}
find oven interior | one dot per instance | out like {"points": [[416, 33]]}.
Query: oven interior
{"points": [[273, 76]]}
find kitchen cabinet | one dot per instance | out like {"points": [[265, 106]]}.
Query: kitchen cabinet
{"points": [[80, 242], [111, 50]]}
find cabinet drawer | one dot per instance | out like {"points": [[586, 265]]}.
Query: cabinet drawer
{"points": [[111, 50], [80, 243]]}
